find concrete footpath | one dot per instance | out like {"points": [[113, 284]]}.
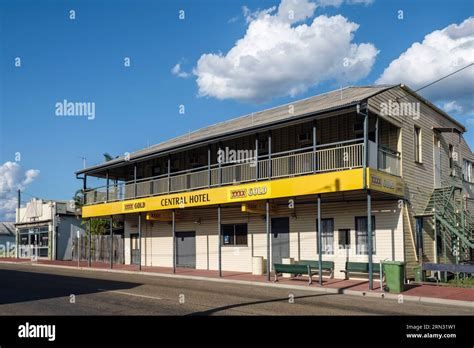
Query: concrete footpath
{"points": [[435, 294]]}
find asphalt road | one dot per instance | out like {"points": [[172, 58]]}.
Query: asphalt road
{"points": [[38, 290]]}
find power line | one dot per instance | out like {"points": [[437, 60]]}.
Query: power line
{"points": [[436, 81], [442, 78]]}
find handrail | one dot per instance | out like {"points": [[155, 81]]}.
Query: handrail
{"points": [[345, 155]]}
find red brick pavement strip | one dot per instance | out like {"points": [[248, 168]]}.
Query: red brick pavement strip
{"points": [[430, 291]]}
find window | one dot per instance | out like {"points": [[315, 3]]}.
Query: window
{"points": [[234, 234], [327, 236], [417, 144], [362, 240], [344, 238], [467, 170]]}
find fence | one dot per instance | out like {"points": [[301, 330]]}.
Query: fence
{"points": [[100, 247]]}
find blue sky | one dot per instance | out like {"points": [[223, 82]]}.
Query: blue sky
{"points": [[136, 106]]}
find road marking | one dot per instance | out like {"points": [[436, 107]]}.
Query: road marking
{"points": [[130, 294]]}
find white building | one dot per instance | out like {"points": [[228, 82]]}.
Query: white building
{"points": [[45, 229]]}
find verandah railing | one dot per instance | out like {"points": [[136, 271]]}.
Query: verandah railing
{"points": [[328, 157]]}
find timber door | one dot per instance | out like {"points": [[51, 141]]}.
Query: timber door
{"points": [[186, 249], [280, 239]]}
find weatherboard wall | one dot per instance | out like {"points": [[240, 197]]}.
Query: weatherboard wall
{"points": [[157, 243]]}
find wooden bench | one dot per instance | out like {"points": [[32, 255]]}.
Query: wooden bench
{"points": [[295, 269], [327, 266], [360, 267]]}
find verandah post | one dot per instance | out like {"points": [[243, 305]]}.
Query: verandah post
{"points": [[267, 215], [319, 244]]}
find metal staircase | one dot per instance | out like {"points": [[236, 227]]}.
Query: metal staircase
{"points": [[456, 224]]}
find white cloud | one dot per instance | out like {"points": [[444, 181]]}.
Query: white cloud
{"points": [[452, 106], [278, 58], [176, 70], [233, 19], [337, 3], [360, 2], [441, 53], [293, 11], [11, 179]]}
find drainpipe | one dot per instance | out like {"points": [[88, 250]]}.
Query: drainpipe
{"points": [[369, 196], [366, 143]]}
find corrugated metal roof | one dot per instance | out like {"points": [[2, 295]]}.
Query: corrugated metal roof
{"points": [[7, 228], [319, 103]]}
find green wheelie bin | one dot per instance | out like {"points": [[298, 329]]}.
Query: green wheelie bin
{"points": [[394, 275]]}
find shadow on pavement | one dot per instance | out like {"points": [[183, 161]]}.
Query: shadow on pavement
{"points": [[21, 286], [236, 305]]}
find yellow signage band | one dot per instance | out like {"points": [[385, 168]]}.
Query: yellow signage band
{"points": [[346, 180]]}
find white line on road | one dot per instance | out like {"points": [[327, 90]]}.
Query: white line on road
{"points": [[130, 294]]}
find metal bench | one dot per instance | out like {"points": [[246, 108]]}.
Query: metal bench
{"points": [[327, 266], [360, 267], [295, 269]]}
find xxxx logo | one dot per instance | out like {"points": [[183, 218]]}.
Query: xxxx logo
{"points": [[238, 193]]}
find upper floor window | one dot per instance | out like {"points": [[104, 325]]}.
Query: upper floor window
{"points": [[468, 171], [417, 144]]}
